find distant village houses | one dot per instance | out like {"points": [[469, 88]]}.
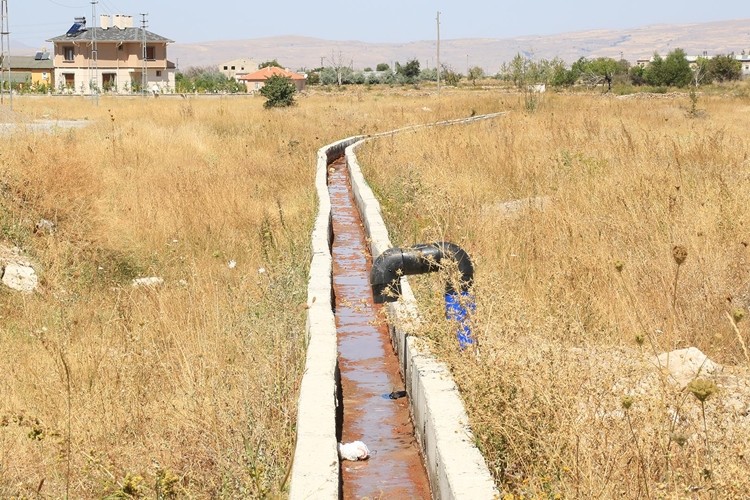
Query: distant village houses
{"points": [[35, 71], [238, 67], [115, 57], [255, 81], [743, 57]]}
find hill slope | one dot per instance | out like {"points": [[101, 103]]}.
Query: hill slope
{"points": [[306, 52]]}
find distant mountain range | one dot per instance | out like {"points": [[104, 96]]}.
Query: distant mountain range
{"points": [[297, 52]]}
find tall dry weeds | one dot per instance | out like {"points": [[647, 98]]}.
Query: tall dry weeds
{"points": [[577, 288], [188, 389]]}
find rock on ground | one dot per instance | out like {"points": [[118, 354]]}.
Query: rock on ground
{"points": [[683, 365], [20, 277]]}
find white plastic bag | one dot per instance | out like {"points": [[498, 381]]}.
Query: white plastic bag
{"points": [[354, 451]]}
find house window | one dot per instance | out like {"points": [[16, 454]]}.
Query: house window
{"points": [[158, 72], [45, 75], [109, 81], [242, 68], [232, 68], [69, 53], [150, 53], [226, 68], [70, 80]]}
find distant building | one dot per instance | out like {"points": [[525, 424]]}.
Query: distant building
{"points": [[744, 59], [644, 62], [119, 58], [256, 81], [34, 70], [238, 67]]}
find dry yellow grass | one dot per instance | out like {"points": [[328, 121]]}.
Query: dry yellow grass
{"points": [[572, 297], [188, 389]]}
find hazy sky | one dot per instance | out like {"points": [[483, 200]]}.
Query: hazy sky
{"points": [[33, 21]]}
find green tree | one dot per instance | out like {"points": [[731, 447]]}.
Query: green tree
{"points": [[449, 76], [677, 69], [724, 68], [428, 75], [520, 71], [604, 69], [475, 73], [205, 79], [312, 74], [672, 71], [702, 71], [328, 76], [524, 71], [560, 75], [409, 71], [526, 74], [637, 75], [654, 73], [269, 64], [279, 92], [382, 67]]}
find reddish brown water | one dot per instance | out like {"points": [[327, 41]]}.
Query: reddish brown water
{"points": [[369, 367]]}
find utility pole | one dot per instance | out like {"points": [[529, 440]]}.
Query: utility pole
{"points": [[94, 61], [5, 70], [144, 74], [438, 51]]}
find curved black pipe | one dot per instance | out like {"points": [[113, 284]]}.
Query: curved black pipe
{"points": [[419, 259]]}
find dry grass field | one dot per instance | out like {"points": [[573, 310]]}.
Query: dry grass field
{"points": [[187, 389], [635, 243]]}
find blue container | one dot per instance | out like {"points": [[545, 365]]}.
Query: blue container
{"points": [[458, 307]]}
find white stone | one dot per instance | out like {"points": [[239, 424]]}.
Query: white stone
{"points": [[20, 277], [514, 209], [152, 281], [13, 255], [683, 365], [45, 226]]}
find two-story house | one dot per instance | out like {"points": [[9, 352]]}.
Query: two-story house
{"points": [[238, 67], [110, 58]]}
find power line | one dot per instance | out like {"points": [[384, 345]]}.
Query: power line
{"points": [[110, 9], [67, 6]]}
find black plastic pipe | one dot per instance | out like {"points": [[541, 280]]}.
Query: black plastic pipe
{"points": [[419, 259]]}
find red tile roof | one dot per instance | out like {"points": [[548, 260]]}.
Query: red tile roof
{"points": [[267, 72]]}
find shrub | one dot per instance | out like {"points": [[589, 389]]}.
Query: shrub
{"points": [[279, 92]]}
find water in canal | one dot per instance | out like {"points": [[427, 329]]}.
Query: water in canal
{"points": [[369, 367]]}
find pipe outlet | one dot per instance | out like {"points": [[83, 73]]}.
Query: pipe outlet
{"points": [[385, 276]]}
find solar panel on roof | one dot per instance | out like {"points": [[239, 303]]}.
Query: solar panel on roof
{"points": [[73, 31]]}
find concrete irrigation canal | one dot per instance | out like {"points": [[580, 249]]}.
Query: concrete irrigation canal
{"points": [[370, 380], [365, 380]]}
